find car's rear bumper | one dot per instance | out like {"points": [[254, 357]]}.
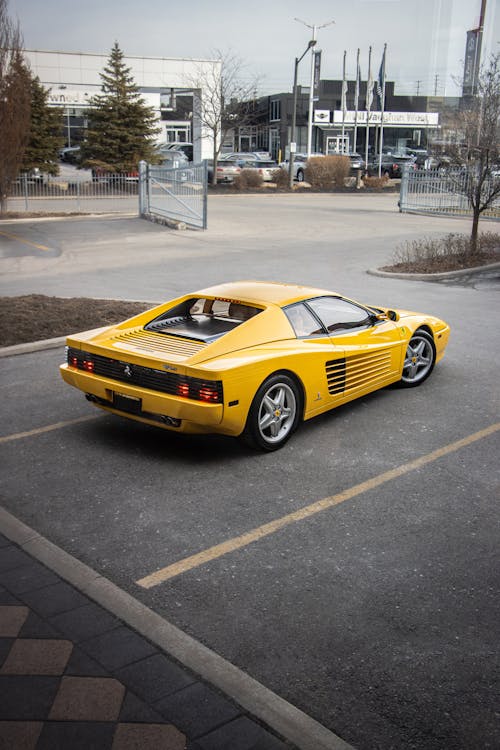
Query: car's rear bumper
{"points": [[161, 409]]}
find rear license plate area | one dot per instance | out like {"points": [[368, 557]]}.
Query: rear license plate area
{"points": [[130, 404]]}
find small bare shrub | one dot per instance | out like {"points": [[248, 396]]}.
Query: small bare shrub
{"points": [[248, 179], [280, 177], [323, 172], [449, 253], [375, 183]]}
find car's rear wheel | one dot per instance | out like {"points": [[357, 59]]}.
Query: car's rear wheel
{"points": [[274, 413], [300, 175], [419, 359]]}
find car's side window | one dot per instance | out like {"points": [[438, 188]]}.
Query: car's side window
{"points": [[338, 314], [303, 321]]}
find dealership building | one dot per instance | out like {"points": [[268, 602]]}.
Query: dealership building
{"points": [[166, 84], [170, 86], [408, 121]]}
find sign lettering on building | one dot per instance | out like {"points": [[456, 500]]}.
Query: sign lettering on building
{"points": [[392, 119]]}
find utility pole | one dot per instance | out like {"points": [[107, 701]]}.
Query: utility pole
{"points": [[311, 90], [436, 79]]}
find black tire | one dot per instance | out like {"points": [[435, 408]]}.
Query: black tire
{"points": [[300, 175], [420, 359], [274, 414]]}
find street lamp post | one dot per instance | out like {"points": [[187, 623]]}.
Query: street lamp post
{"points": [[311, 89], [291, 158]]}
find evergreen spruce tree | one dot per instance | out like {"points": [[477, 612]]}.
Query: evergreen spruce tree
{"points": [[45, 133], [121, 127]]}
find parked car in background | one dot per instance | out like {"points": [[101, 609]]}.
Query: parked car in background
{"points": [[70, 154], [116, 179], [357, 162], [184, 146], [241, 156], [392, 166], [33, 177], [226, 170], [440, 162], [172, 158], [420, 155], [299, 165], [266, 169]]}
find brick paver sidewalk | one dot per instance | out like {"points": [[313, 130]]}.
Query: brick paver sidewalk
{"points": [[74, 677]]}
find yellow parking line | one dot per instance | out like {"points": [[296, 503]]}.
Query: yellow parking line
{"points": [[48, 428], [164, 574], [26, 242]]}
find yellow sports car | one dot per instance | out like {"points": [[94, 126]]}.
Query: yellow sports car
{"points": [[250, 359]]}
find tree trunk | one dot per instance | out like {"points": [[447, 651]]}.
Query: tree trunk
{"points": [[475, 230], [216, 159]]}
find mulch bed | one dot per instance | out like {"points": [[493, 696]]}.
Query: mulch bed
{"points": [[34, 317], [444, 264]]}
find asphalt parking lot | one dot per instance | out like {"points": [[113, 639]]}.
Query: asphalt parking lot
{"points": [[375, 611]]}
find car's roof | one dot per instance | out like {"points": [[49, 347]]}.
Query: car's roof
{"points": [[263, 292]]}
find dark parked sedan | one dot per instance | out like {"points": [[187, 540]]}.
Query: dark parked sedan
{"points": [[392, 166]]}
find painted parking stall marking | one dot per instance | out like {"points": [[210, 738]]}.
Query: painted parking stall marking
{"points": [[219, 550], [47, 428], [24, 241]]}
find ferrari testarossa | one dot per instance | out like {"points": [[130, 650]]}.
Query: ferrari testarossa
{"points": [[250, 359]]}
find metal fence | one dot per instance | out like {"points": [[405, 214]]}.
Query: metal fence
{"points": [[174, 194], [76, 191], [438, 192]]}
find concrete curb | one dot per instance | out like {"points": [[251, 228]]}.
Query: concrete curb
{"points": [[37, 346], [262, 703], [33, 346], [65, 217], [435, 276]]}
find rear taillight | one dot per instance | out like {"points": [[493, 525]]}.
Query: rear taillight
{"points": [[183, 390], [80, 360], [210, 393]]}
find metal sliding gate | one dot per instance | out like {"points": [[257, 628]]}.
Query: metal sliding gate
{"points": [[175, 194], [441, 192]]}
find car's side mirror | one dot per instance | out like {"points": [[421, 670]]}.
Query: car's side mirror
{"points": [[389, 315]]}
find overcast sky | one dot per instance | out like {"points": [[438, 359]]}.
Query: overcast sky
{"points": [[425, 38]]}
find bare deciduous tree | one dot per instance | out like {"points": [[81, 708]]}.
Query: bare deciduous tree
{"points": [[227, 97], [478, 147], [15, 93]]}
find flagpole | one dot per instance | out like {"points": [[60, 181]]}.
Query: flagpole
{"points": [[368, 103], [356, 101], [344, 93], [382, 109]]}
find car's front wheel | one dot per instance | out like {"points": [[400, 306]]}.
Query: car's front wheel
{"points": [[300, 175], [419, 359], [274, 413]]}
